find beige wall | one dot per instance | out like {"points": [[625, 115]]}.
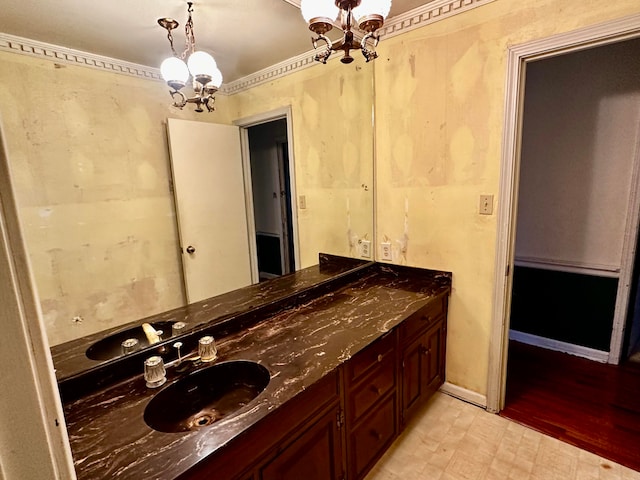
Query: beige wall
{"points": [[90, 163], [440, 94], [333, 148]]}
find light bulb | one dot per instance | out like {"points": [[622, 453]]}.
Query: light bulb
{"points": [[201, 64], [372, 7], [216, 78], [175, 72], [325, 9]]}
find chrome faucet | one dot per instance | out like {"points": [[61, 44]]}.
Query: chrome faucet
{"points": [[155, 369]]}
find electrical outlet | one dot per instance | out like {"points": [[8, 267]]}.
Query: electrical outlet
{"points": [[486, 205], [365, 248], [303, 202], [385, 251]]}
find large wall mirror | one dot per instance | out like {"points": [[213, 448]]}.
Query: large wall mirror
{"points": [[90, 164]]}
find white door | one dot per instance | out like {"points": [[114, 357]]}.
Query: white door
{"points": [[206, 162]]}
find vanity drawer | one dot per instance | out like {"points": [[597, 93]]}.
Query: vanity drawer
{"points": [[375, 354], [376, 386], [423, 318], [371, 438]]}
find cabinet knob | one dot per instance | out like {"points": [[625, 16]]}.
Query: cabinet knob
{"points": [[375, 389], [376, 435], [426, 318], [379, 357]]}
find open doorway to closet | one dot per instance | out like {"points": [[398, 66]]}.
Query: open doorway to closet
{"points": [[272, 199], [572, 299]]}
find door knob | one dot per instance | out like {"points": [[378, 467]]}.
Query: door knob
{"points": [[190, 249]]}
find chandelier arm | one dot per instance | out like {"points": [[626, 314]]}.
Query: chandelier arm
{"points": [[369, 54], [322, 56], [209, 102], [181, 102]]}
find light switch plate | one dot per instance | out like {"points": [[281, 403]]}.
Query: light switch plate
{"points": [[486, 205], [385, 251]]}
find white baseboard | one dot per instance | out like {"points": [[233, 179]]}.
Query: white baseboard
{"points": [[557, 345], [468, 396]]}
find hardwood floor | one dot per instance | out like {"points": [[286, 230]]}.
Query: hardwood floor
{"points": [[591, 405]]}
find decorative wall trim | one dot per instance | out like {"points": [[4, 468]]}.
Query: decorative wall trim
{"points": [[418, 17], [426, 14], [56, 53], [611, 271], [558, 346], [293, 64], [464, 394]]}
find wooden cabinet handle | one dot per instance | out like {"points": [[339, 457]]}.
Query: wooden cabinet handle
{"points": [[426, 318], [375, 389], [376, 435]]}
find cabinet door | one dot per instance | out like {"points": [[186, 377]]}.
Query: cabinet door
{"points": [[433, 376], [412, 377], [422, 369], [315, 455]]}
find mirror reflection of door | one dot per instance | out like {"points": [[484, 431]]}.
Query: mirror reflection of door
{"points": [[272, 202], [211, 210]]}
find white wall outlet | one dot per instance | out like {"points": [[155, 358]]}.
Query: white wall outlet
{"points": [[303, 202], [486, 205], [385, 251], [365, 248]]}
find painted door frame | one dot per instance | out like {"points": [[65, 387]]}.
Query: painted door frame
{"points": [[244, 124], [39, 447], [518, 56]]}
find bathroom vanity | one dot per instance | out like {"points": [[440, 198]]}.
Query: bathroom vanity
{"points": [[350, 357]]}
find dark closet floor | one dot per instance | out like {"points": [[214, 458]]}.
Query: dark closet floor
{"points": [[591, 405]]}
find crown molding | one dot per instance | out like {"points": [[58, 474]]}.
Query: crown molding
{"points": [[426, 14], [293, 64], [418, 17], [56, 53]]}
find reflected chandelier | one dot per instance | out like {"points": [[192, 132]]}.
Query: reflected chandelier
{"points": [[207, 78], [367, 15]]}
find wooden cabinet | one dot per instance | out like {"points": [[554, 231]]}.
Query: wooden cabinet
{"points": [[423, 356], [371, 404], [338, 428], [314, 455]]}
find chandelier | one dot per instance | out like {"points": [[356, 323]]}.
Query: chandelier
{"points": [[207, 78], [367, 15]]}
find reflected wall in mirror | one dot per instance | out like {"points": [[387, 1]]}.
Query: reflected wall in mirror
{"points": [[90, 166]]}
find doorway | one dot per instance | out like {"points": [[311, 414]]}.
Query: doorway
{"points": [[271, 192], [581, 118], [518, 57], [533, 254]]}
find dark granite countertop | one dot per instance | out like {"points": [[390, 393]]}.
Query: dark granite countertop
{"points": [[299, 346]]}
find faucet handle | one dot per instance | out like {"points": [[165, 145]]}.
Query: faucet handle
{"points": [[207, 349], [154, 372]]}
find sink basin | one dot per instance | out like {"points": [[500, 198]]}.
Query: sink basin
{"points": [[206, 396], [111, 346]]}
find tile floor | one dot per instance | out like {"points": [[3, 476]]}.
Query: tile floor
{"points": [[453, 440]]}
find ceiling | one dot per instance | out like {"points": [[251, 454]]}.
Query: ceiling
{"points": [[244, 36]]}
